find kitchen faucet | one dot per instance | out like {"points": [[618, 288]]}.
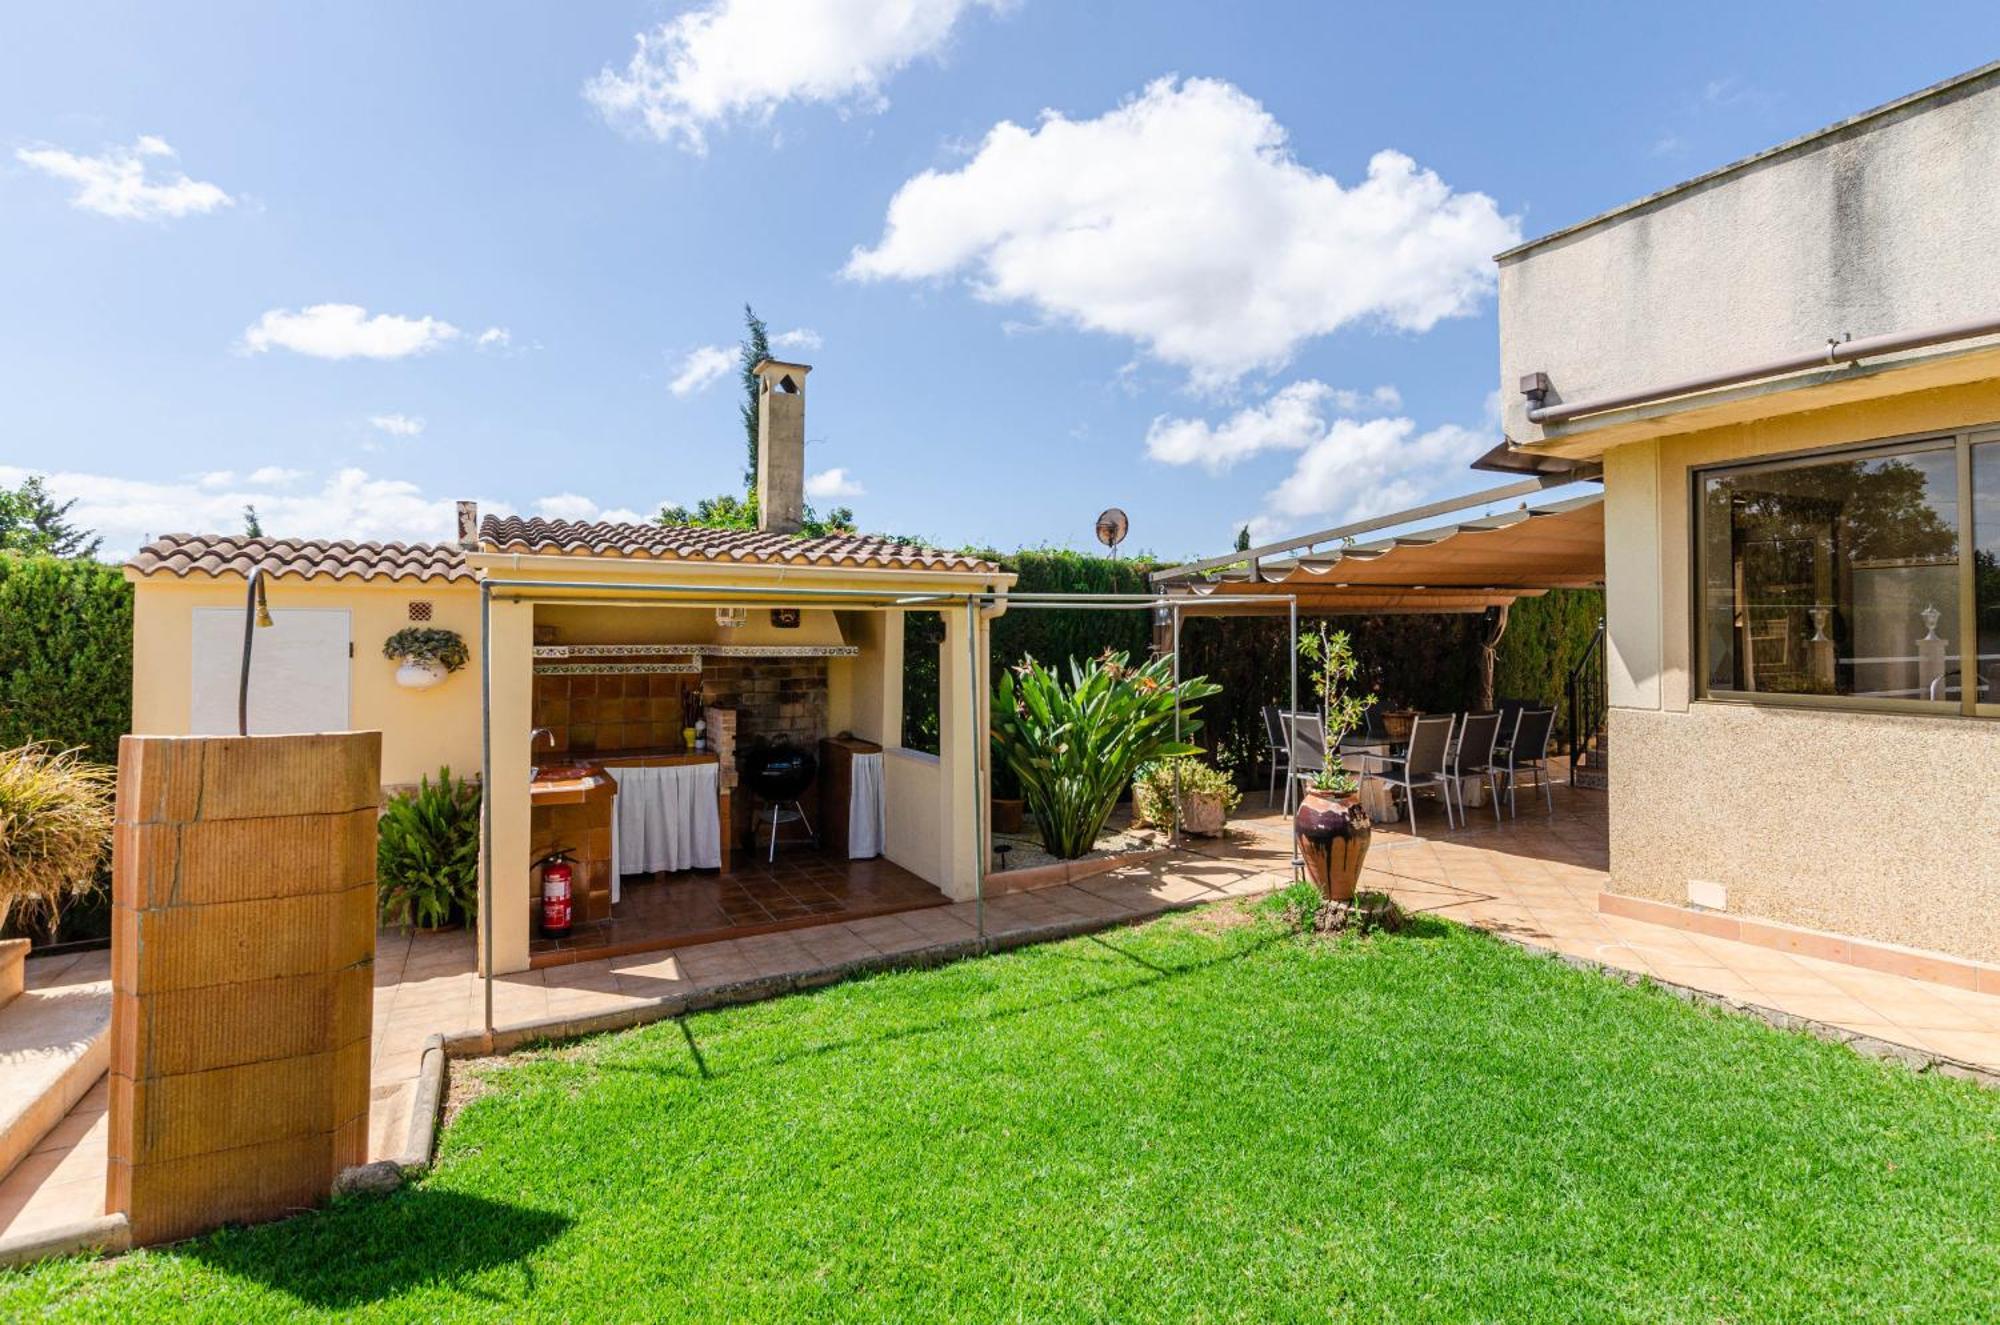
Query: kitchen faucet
{"points": [[535, 734]]}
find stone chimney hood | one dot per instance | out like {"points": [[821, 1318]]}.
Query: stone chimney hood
{"points": [[781, 446]]}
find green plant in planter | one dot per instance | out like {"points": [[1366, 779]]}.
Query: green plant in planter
{"points": [[1334, 780], [1153, 789], [1333, 669], [55, 828], [427, 644], [1073, 746], [427, 854]]}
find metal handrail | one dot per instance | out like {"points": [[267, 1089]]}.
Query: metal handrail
{"points": [[1586, 692]]}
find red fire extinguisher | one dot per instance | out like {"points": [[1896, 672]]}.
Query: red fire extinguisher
{"points": [[557, 875]]}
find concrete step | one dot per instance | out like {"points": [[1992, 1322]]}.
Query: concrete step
{"points": [[55, 1044]]}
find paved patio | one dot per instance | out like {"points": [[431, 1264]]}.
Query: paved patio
{"points": [[1535, 878]]}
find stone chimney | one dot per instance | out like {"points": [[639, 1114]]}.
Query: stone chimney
{"points": [[781, 446], [468, 525]]}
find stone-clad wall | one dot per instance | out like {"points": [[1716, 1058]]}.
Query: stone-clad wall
{"points": [[243, 954], [772, 696]]}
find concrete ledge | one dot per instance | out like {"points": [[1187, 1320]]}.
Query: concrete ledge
{"points": [[1031, 877], [1869, 1046], [515, 1035], [13, 968], [55, 1044], [421, 1140], [1870, 954], [105, 1233]]}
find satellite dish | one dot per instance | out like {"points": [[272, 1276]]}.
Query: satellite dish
{"points": [[1111, 528]]}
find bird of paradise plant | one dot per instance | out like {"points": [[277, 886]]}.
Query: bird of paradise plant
{"points": [[1073, 745]]}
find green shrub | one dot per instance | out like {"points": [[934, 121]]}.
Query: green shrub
{"points": [[65, 655], [1074, 746], [1153, 788], [1545, 638], [427, 854], [55, 829]]}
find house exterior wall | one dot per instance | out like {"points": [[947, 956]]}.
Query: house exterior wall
{"points": [[421, 729], [1886, 223], [1869, 824]]}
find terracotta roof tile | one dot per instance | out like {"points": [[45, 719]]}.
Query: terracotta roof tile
{"points": [[693, 543], [304, 558]]}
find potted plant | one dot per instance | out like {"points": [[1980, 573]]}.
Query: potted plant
{"points": [[1331, 829], [1007, 803], [1184, 793], [427, 854], [1073, 745], [427, 655]]}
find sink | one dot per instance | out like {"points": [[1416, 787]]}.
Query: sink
{"points": [[561, 772]]}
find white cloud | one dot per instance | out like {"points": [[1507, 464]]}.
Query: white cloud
{"points": [[348, 504], [831, 483], [1181, 220], [799, 338], [1347, 468], [702, 369], [396, 425], [739, 60], [216, 478], [115, 183], [345, 331], [1291, 420], [574, 506], [495, 338]]}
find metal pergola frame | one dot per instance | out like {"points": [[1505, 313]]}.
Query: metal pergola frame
{"points": [[976, 602]]}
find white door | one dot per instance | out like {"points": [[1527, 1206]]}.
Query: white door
{"points": [[299, 668]]}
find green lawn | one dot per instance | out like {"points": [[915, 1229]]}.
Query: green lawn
{"points": [[1196, 1120]]}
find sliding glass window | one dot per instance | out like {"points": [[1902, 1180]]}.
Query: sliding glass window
{"points": [[1985, 596], [1841, 575]]}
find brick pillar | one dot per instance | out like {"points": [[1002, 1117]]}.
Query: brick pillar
{"points": [[243, 954]]}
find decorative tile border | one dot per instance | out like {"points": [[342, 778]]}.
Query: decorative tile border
{"points": [[546, 651], [619, 669]]}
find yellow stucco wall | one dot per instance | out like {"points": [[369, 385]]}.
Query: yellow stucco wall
{"points": [[930, 829], [1879, 826], [421, 729]]}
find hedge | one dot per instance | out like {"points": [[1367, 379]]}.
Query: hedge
{"points": [[1426, 661], [65, 654]]}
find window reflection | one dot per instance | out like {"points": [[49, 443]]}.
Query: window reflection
{"points": [[1834, 576]]}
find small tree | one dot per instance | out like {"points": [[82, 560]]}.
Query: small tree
{"points": [[37, 524], [252, 526], [1332, 671], [55, 829], [756, 348]]}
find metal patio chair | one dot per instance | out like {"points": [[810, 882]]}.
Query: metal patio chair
{"points": [[1528, 752], [1422, 766], [1277, 749], [1472, 756], [1306, 738]]}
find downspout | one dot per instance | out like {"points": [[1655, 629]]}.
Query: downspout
{"points": [[1837, 350]]}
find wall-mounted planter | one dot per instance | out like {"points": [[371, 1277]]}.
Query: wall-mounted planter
{"points": [[416, 675]]}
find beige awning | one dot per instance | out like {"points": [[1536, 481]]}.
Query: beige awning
{"points": [[1464, 567]]}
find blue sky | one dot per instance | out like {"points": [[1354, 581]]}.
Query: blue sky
{"points": [[352, 262]]}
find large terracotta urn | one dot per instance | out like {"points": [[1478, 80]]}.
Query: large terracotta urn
{"points": [[1333, 832]]}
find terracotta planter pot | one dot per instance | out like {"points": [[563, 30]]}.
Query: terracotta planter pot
{"points": [[1202, 815], [1397, 724], [1006, 815], [1333, 833]]}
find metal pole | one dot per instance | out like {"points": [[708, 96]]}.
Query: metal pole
{"points": [[1292, 774], [976, 737], [486, 796], [1174, 830], [253, 589]]}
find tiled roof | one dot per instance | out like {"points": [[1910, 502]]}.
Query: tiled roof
{"points": [[692, 543], [306, 558]]}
